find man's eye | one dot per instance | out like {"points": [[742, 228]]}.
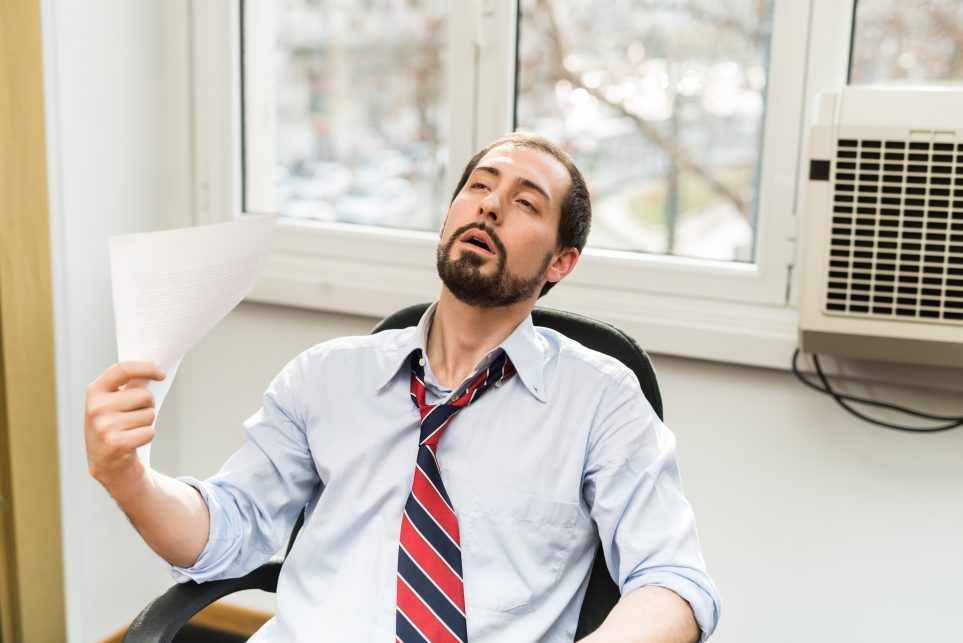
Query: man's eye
{"points": [[479, 186], [527, 204]]}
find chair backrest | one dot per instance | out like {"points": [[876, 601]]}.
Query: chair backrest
{"points": [[602, 593], [591, 333]]}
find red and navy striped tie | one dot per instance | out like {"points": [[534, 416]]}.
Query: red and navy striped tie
{"points": [[431, 589]]}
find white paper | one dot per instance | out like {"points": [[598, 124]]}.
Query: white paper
{"points": [[172, 287]]}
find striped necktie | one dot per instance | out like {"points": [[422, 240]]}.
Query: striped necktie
{"points": [[431, 591]]}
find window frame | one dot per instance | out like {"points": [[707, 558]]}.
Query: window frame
{"points": [[725, 311]]}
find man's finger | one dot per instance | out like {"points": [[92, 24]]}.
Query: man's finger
{"points": [[133, 419], [100, 404], [132, 399], [123, 372], [137, 437], [140, 436], [105, 426]]}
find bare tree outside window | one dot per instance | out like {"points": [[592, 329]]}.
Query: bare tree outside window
{"points": [[662, 104]]}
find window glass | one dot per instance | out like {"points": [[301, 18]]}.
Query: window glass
{"points": [[353, 119], [661, 104], [907, 41]]}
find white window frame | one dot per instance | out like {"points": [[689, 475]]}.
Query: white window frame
{"points": [[725, 311]]}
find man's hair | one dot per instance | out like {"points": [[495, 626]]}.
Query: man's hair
{"points": [[576, 219]]}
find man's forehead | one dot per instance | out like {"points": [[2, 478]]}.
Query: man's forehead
{"points": [[529, 163]]}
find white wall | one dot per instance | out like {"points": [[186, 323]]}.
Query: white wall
{"points": [[815, 526], [118, 153]]}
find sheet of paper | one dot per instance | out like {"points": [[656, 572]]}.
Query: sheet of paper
{"points": [[172, 287]]}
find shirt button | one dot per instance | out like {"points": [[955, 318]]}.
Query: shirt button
{"points": [[421, 362], [498, 383]]}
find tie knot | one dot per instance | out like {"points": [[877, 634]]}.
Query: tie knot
{"points": [[435, 418]]}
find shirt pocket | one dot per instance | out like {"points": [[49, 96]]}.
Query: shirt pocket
{"points": [[513, 547]]}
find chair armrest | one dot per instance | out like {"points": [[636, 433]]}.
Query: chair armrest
{"points": [[163, 617]]}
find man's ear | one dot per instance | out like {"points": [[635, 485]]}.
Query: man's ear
{"points": [[562, 265]]}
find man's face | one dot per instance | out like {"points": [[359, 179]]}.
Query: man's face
{"points": [[499, 243]]}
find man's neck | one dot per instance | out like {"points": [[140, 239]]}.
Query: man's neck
{"points": [[461, 335]]}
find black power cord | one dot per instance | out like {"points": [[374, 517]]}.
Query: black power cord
{"points": [[949, 421]]}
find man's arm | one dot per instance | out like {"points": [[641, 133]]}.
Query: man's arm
{"points": [[647, 528], [649, 614], [170, 515]]}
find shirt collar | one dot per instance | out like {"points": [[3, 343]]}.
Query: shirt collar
{"points": [[526, 349], [418, 340], [524, 346]]}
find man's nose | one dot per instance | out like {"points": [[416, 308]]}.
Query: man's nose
{"points": [[491, 207]]}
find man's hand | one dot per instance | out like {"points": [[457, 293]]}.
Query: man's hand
{"points": [[170, 515], [119, 418]]}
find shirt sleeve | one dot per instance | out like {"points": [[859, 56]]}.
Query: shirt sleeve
{"points": [[633, 488], [255, 499]]}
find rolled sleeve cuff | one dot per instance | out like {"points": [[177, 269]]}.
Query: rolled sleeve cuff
{"points": [[704, 601], [214, 562]]}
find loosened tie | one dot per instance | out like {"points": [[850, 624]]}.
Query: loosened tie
{"points": [[431, 588]]}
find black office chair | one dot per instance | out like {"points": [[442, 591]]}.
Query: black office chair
{"points": [[164, 617]]}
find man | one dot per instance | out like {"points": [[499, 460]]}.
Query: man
{"points": [[456, 475]]}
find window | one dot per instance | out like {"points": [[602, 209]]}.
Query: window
{"points": [[907, 42], [667, 129], [687, 117]]}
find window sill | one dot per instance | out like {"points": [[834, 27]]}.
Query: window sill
{"points": [[373, 272]]}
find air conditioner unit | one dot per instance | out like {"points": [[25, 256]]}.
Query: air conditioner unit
{"points": [[882, 253]]}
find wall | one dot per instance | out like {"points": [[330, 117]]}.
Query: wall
{"points": [[118, 146], [816, 526]]}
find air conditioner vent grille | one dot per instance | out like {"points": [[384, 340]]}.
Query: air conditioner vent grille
{"points": [[896, 244]]}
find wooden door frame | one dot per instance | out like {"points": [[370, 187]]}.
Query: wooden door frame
{"points": [[31, 557]]}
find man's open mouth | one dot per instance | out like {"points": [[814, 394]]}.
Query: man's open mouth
{"points": [[479, 239]]}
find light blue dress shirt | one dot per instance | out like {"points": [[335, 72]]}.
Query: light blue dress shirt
{"points": [[566, 447]]}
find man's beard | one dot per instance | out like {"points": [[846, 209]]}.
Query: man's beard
{"points": [[466, 282]]}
